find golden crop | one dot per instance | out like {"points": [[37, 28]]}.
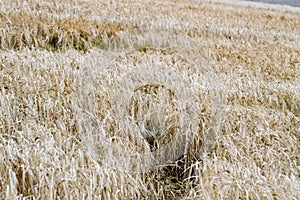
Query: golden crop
{"points": [[149, 99]]}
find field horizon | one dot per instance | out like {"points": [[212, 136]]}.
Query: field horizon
{"points": [[133, 99], [294, 3]]}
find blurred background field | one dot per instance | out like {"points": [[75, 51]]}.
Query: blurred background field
{"points": [[133, 99]]}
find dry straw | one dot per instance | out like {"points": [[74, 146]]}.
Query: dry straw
{"points": [[149, 100]]}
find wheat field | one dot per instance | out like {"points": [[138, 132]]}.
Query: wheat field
{"points": [[134, 99]]}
